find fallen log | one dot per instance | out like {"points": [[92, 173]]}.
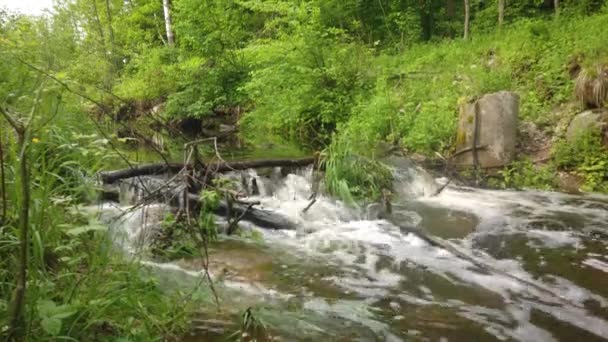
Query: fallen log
{"points": [[259, 217], [245, 211], [109, 177]]}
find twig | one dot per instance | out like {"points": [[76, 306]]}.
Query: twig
{"points": [[468, 149], [15, 124], [17, 305], [313, 201], [2, 183], [440, 190], [247, 202], [233, 225], [101, 106], [189, 152], [475, 141]]}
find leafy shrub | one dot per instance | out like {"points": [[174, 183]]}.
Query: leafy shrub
{"points": [[587, 157], [204, 86], [305, 83], [149, 76], [525, 175]]}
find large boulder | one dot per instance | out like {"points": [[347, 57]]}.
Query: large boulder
{"points": [[497, 130], [589, 121]]}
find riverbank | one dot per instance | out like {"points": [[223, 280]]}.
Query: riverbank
{"points": [[409, 99]]}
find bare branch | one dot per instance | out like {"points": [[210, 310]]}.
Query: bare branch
{"points": [[17, 125]]}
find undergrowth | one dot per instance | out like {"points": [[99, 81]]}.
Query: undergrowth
{"points": [[586, 157], [80, 287]]}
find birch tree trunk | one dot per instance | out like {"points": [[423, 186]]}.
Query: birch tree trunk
{"points": [[167, 10], [501, 12], [556, 5], [467, 18]]}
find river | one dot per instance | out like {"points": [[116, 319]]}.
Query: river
{"points": [[346, 275]]}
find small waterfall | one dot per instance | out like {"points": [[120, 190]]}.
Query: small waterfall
{"points": [[138, 216], [145, 189], [411, 181]]}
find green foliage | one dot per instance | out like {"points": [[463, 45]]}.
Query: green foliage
{"points": [[52, 315], [203, 88], [525, 175], [180, 239], [587, 157], [206, 218], [174, 241], [595, 173], [305, 82], [150, 76], [78, 286], [351, 176], [341, 74]]}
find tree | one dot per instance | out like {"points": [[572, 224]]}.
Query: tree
{"points": [[501, 12], [110, 29], [17, 306], [167, 11], [450, 9], [556, 5], [467, 18]]}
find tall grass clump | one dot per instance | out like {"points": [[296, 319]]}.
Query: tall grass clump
{"points": [[80, 287], [353, 176]]}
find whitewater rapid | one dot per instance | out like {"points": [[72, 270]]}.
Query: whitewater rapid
{"points": [[384, 274]]}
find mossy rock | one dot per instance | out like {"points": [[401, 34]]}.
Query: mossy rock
{"points": [[589, 122]]}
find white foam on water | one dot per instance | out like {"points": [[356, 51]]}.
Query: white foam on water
{"points": [[497, 323], [372, 254], [355, 311], [516, 208], [252, 289], [359, 244], [410, 180], [171, 267], [578, 317], [555, 239], [597, 264], [133, 227], [294, 195]]}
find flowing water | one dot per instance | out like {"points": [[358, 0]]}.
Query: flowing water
{"points": [[529, 266]]}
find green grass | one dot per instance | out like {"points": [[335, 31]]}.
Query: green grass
{"points": [[417, 93], [80, 286]]}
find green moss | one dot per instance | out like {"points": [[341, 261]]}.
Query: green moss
{"points": [[462, 138]]}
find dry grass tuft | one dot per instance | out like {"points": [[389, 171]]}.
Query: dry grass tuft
{"points": [[591, 87]]}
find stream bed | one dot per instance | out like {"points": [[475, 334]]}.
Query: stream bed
{"points": [[346, 275]]}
